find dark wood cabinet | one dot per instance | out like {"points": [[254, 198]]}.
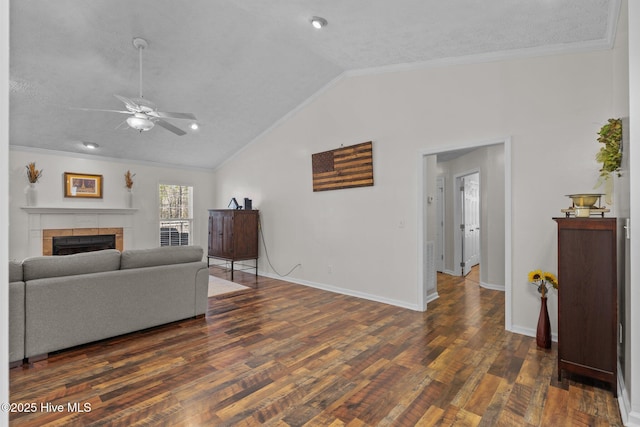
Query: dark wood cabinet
{"points": [[233, 236], [587, 298]]}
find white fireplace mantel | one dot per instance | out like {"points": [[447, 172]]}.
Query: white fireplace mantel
{"points": [[57, 217], [68, 210]]}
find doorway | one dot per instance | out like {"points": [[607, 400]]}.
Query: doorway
{"points": [[467, 230], [493, 234]]}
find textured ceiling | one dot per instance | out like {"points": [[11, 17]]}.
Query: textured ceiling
{"points": [[242, 65]]}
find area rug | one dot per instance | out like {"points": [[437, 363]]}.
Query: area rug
{"points": [[218, 286]]}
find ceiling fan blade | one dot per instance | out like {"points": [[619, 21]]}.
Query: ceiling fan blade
{"points": [[121, 125], [168, 126], [166, 115], [128, 102], [99, 109]]}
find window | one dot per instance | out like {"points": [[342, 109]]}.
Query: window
{"points": [[176, 214]]}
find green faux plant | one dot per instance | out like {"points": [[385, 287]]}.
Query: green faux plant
{"points": [[611, 154]]}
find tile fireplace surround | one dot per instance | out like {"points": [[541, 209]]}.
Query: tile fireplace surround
{"points": [[49, 234], [45, 223]]}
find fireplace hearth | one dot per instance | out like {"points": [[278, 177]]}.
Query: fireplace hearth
{"points": [[67, 245]]}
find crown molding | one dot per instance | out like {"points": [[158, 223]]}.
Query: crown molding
{"points": [[96, 157], [506, 55]]}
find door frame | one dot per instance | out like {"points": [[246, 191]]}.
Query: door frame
{"points": [[422, 220], [440, 221]]}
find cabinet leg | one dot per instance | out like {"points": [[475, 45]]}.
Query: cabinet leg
{"points": [[232, 271]]}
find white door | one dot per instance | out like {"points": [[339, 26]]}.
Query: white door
{"points": [[470, 227], [440, 224]]}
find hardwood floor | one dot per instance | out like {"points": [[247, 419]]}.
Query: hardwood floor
{"points": [[288, 355]]}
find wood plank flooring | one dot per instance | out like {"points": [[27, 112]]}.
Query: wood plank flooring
{"points": [[281, 354]]}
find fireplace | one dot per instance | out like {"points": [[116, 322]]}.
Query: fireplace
{"points": [[67, 245], [65, 241]]}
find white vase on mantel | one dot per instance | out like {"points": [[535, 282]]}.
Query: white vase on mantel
{"points": [[129, 198], [32, 194]]}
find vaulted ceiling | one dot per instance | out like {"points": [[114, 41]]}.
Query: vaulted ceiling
{"points": [[241, 66]]}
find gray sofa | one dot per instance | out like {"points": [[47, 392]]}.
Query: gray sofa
{"points": [[16, 312], [57, 302]]}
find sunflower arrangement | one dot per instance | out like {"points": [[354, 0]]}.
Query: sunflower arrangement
{"points": [[33, 174], [128, 179], [542, 280]]}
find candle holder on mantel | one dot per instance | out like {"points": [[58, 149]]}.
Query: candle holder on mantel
{"points": [[585, 205]]}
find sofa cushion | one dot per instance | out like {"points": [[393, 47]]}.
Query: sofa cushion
{"points": [[15, 271], [164, 255], [71, 265]]}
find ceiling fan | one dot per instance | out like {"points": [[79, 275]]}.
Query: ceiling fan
{"points": [[144, 113]]}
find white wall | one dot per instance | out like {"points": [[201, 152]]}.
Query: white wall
{"points": [[551, 107], [144, 222]]}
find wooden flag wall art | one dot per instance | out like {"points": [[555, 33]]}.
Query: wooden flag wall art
{"points": [[344, 167]]}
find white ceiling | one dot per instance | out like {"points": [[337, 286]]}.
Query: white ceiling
{"points": [[242, 65]]}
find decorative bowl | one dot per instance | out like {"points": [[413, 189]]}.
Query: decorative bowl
{"points": [[584, 200]]}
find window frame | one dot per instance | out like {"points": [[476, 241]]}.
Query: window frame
{"points": [[165, 222]]}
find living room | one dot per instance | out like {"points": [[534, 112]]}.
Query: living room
{"points": [[545, 108]]}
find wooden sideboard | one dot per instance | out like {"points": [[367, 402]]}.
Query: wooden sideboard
{"points": [[233, 235], [587, 298]]}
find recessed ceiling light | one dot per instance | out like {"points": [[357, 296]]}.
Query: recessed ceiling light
{"points": [[194, 126], [90, 145], [318, 22]]}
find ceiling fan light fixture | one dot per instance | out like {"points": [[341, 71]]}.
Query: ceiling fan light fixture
{"points": [[139, 122], [90, 145], [318, 22]]}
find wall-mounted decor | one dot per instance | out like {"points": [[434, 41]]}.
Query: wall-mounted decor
{"points": [[344, 167], [82, 185]]}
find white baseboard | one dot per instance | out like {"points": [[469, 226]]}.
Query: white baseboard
{"points": [[492, 286], [623, 398], [531, 332], [629, 417], [343, 291], [434, 296]]}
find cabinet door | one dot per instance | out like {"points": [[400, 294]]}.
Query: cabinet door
{"points": [[220, 234], [246, 235], [587, 298]]}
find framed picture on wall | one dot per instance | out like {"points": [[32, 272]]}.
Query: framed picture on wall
{"points": [[82, 185]]}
